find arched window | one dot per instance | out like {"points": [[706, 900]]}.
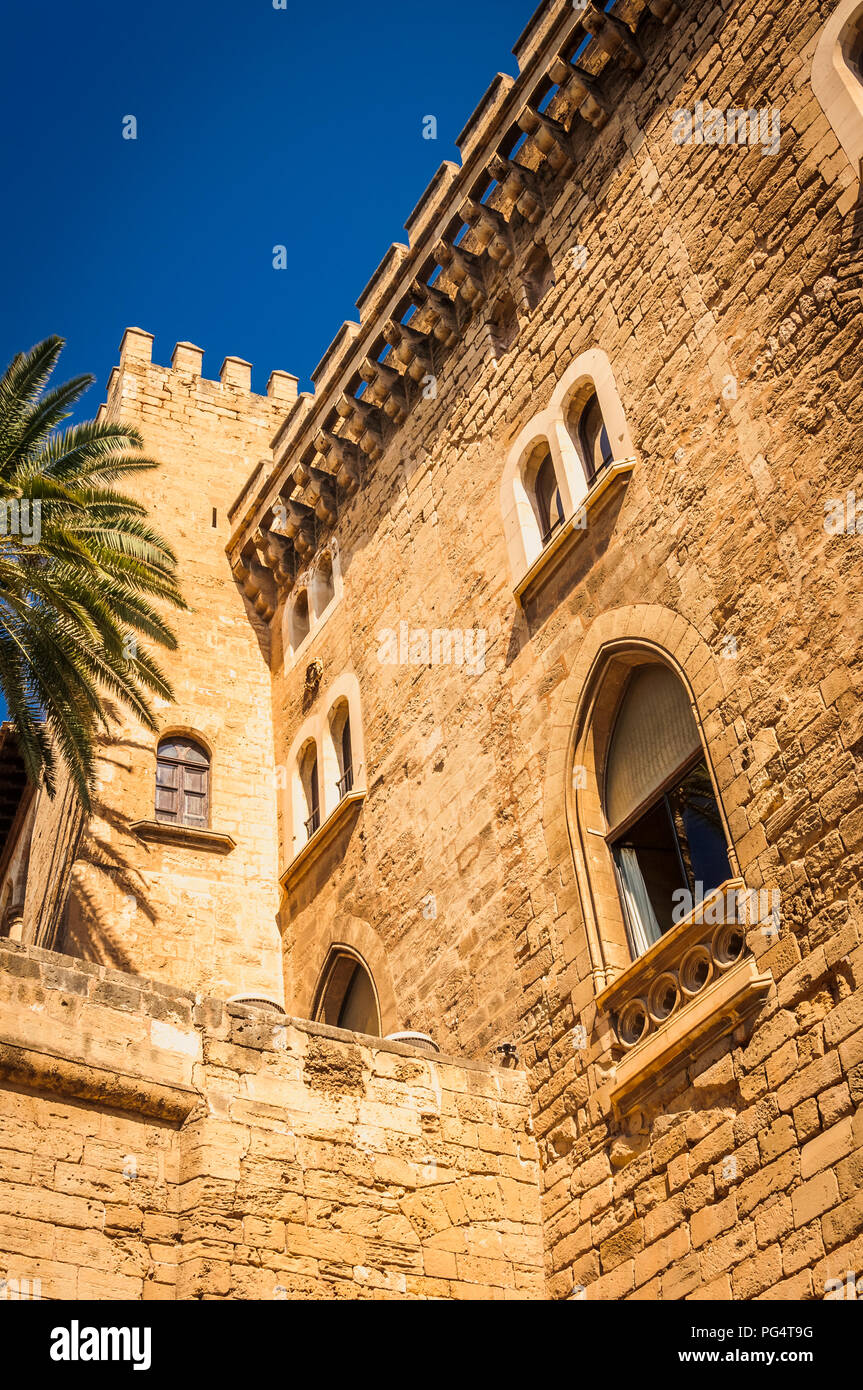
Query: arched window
{"points": [[665, 831], [308, 768], [323, 587], [348, 998], [591, 437], [182, 783], [346, 781], [299, 624], [549, 504]]}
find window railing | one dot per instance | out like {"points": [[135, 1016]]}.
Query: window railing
{"points": [[346, 783], [552, 530], [313, 823]]}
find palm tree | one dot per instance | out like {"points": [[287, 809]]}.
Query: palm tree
{"points": [[82, 575]]}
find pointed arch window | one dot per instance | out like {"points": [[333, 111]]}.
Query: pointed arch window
{"points": [[348, 998], [593, 441], [548, 499], [665, 832], [311, 788], [182, 783], [346, 781]]}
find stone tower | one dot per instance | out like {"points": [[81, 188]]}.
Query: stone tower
{"points": [[192, 907]]}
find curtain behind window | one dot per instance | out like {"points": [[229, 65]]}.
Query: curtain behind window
{"points": [[654, 734]]}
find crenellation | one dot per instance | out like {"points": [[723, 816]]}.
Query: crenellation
{"points": [[186, 357]]}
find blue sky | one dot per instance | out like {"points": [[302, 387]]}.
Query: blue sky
{"points": [[256, 127]]}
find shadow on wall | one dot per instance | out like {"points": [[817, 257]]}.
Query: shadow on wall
{"points": [[102, 883]]}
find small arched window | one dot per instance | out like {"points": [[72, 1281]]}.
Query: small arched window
{"points": [[182, 783], [592, 439], [549, 504], [348, 998], [346, 781], [665, 830], [323, 586], [300, 620], [311, 789]]}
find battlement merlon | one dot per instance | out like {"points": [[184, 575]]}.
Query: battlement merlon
{"points": [[136, 357], [577, 109]]}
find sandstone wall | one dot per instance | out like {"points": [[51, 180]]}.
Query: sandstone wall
{"points": [[724, 286], [156, 1144]]}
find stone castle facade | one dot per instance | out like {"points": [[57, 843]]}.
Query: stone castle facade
{"points": [[519, 707]]}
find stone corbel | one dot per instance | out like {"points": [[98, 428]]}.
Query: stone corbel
{"points": [[320, 489], [276, 553], [344, 458], [385, 389], [580, 90], [615, 39], [465, 271], [438, 311], [491, 230], [411, 349], [363, 422], [257, 584], [299, 526], [549, 137], [520, 186]]}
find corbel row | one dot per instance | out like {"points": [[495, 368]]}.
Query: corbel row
{"points": [[282, 546]]}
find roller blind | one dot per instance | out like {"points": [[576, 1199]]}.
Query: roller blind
{"points": [[654, 733]]}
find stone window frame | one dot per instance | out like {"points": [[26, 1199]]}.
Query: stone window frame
{"points": [[605, 981], [592, 735], [346, 934], [198, 838], [318, 729], [590, 372], [309, 583], [837, 87]]}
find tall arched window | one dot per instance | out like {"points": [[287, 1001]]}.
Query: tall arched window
{"points": [[665, 831], [323, 586], [548, 499], [311, 789], [347, 996], [592, 440], [300, 619], [346, 781], [182, 783]]}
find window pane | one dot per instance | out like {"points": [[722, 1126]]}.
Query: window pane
{"points": [[166, 775], [166, 804], [700, 831], [183, 750], [651, 844]]}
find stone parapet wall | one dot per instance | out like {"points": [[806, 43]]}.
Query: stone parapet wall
{"points": [[155, 1143]]}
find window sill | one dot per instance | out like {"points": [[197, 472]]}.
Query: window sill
{"points": [[701, 1012], [323, 836], [188, 836], [567, 537]]}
